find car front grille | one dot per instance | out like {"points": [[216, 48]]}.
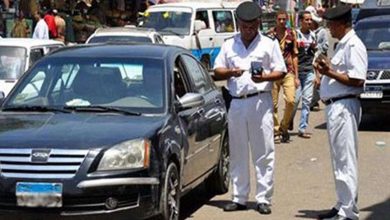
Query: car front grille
{"points": [[56, 163], [385, 74]]}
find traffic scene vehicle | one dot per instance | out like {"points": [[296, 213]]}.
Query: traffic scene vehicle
{"points": [[372, 26], [125, 34], [19, 54], [201, 28], [113, 131]]}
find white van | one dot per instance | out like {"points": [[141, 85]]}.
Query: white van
{"points": [[17, 55], [201, 27]]}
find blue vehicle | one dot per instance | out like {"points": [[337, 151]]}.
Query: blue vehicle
{"points": [[372, 26]]}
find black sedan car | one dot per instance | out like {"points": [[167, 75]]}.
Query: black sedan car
{"points": [[111, 131]]}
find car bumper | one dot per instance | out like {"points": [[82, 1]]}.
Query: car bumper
{"points": [[135, 198], [376, 99]]}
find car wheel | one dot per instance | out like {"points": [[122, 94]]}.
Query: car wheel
{"points": [[170, 195], [218, 182]]}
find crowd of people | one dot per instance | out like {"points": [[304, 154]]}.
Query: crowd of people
{"points": [[72, 21], [296, 60]]}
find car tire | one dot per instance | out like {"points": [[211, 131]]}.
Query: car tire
{"points": [[218, 182], [170, 194]]}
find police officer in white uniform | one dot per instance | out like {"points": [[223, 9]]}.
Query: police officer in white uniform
{"points": [[342, 82], [250, 115]]}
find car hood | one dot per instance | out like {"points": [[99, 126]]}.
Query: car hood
{"points": [[77, 131], [379, 60]]}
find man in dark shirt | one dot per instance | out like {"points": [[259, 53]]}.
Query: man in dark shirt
{"points": [[306, 50]]}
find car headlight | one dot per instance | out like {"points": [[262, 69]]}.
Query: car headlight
{"points": [[126, 155]]}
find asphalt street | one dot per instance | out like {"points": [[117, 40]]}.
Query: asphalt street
{"points": [[304, 185]]}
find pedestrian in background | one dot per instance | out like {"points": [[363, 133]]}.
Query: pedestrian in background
{"points": [[50, 21], [342, 82], [288, 44], [20, 28], [322, 48], [306, 50], [250, 117], [41, 30]]}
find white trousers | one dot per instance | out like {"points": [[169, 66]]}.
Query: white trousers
{"points": [[251, 124], [343, 118]]}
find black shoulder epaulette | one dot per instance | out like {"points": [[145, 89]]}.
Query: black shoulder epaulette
{"points": [[270, 37]]}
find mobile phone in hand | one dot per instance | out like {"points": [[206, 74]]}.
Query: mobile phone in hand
{"points": [[256, 68]]}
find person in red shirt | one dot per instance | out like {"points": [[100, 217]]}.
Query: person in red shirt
{"points": [[50, 21]]}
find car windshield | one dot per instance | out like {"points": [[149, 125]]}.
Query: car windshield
{"points": [[12, 62], [375, 36], [168, 22], [135, 84], [119, 39]]}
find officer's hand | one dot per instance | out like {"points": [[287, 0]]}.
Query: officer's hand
{"points": [[236, 72], [258, 78], [322, 65]]}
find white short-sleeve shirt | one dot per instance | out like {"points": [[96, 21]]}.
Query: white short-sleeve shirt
{"points": [[350, 58], [234, 54]]}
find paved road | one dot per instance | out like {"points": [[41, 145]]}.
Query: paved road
{"points": [[303, 178]]}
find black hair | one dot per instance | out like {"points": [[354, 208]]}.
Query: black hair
{"points": [[302, 14]]}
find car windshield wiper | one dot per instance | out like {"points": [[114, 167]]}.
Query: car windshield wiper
{"points": [[100, 108], [36, 108]]}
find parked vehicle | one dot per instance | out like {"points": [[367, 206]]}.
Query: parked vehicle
{"points": [[17, 55], [372, 26], [113, 131], [201, 28], [125, 34]]}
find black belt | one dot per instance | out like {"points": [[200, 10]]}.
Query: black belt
{"points": [[249, 95], [332, 100]]}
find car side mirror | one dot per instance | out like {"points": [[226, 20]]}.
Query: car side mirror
{"points": [[199, 25], [190, 100]]}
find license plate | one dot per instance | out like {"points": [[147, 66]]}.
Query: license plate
{"points": [[39, 194], [372, 92]]}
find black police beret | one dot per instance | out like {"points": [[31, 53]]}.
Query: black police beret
{"points": [[338, 12], [248, 11]]}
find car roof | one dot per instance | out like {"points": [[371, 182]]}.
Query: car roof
{"points": [[133, 31], [27, 42], [198, 5], [155, 51]]}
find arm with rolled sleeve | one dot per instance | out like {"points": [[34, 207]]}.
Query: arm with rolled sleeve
{"points": [[356, 56], [357, 67], [221, 66]]}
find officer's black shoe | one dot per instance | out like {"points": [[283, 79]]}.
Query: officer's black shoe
{"points": [[285, 137], [332, 213], [264, 208], [234, 207]]}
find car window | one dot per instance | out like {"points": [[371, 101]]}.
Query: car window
{"points": [[203, 16], [375, 36], [137, 83], [52, 48], [12, 62], [35, 55], [168, 22], [32, 88], [223, 21], [196, 73]]}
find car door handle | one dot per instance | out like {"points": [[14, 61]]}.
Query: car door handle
{"points": [[214, 114]]}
